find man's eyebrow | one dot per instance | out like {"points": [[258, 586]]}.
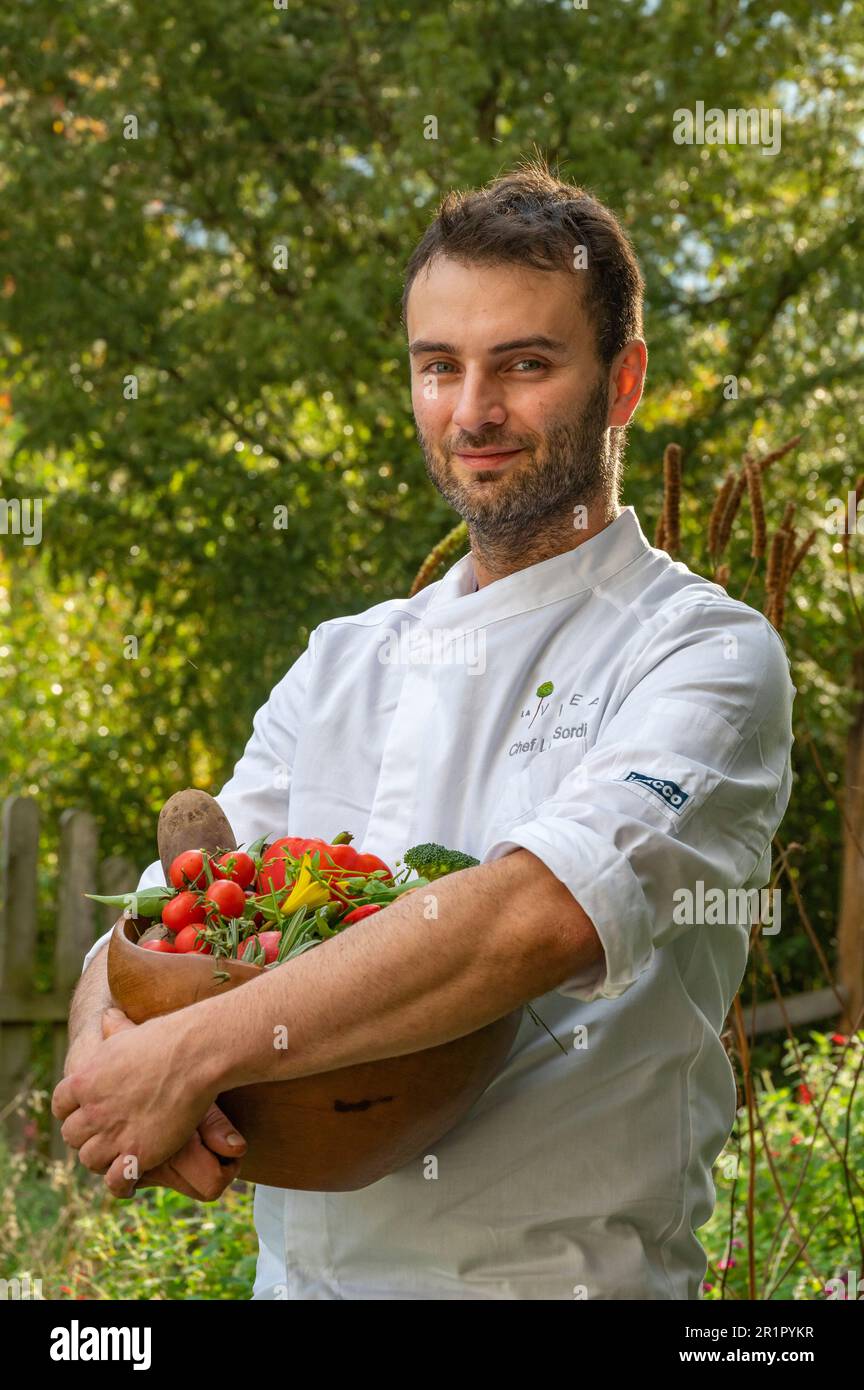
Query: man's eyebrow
{"points": [[421, 346]]}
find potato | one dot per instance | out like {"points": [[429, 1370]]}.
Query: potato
{"points": [[191, 819], [158, 932]]}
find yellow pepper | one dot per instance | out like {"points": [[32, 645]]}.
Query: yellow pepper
{"points": [[307, 891]]}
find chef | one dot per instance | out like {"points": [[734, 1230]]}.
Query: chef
{"points": [[602, 729]]}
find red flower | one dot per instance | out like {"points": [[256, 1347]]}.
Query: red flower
{"points": [[797, 1139], [804, 1094], [64, 1288], [839, 1038]]}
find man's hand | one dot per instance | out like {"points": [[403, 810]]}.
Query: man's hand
{"points": [[130, 1100], [195, 1170]]}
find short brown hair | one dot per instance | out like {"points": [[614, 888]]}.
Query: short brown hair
{"points": [[532, 218]]}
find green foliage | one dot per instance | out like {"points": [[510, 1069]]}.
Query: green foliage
{"points": [[808, 1200], [60, 1224]]}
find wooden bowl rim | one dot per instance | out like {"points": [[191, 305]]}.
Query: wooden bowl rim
{"points": [[240, 969]]}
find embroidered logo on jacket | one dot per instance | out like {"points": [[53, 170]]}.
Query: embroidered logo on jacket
{"points": [[670, 792]]}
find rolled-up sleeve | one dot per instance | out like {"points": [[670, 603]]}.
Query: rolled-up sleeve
{"points": [[686, 783], [255, 797]]}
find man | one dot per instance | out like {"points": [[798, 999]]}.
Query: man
{"points": [[602, 728]]}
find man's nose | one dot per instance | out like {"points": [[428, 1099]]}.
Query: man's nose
{"points": [[480, 403]]}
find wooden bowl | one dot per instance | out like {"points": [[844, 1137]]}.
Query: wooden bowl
{"points": [[338, 1130]]}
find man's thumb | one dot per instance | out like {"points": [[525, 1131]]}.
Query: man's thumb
{"points": [[114, 1021], [215, 1130]]}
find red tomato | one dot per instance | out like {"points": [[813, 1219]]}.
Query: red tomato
{"points": [[368, 863], [236, 866], [164, 946], [270, 943], [182, 910], [187, 870], [185, 941], [226, 898], [360, 912]]}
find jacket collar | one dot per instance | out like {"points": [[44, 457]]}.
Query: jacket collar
{"points": [[455, 604]]}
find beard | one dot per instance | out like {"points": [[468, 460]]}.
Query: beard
{"points": [[573, 462]]}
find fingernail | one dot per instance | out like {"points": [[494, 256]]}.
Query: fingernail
{"points": [[233, 1139]]}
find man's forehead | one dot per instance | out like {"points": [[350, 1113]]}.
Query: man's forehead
{"points": [[449, 303]]}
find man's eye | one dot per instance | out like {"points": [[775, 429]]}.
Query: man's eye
{"points": [[534, 364]]}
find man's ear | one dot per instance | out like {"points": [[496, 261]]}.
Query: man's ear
{"points": [[628, 376]]}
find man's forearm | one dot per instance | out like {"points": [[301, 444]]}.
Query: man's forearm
{"points": [[92, 997], [399, 981]]}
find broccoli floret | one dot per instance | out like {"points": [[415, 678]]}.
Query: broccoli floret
{"points": [[434, 861]]}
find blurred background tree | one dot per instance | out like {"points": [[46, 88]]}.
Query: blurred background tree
{"points": [[206, 215]]}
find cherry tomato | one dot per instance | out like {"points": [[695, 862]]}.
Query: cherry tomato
{"points": [[185, 941], [368, 863], [225, 897], [162, 946], [180, 911], [270, 942], [360, 912], [187, 870], [236, 866]]}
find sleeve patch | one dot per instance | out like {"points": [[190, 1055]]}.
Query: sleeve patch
{"points": [[668, 791]]}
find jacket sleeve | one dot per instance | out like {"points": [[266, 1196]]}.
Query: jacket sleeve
{"points": [[686, 784], [255, 797]]}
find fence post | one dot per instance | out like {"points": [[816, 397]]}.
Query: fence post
{"points": [[19, 850], [75, 923]]}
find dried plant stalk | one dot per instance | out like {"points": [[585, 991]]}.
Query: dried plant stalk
{"points": [[775, 562], [722, 576], [776, 454], [778, 610], [659, 533], [734, 502], [791, 544], [757, 510], [717, 511], [672, 498], [437, 557], [803, 549]]}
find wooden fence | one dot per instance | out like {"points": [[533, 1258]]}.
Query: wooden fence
{"points": [[78, 922]]}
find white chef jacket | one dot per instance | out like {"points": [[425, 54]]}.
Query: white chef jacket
{"points": [[659, 758]]}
